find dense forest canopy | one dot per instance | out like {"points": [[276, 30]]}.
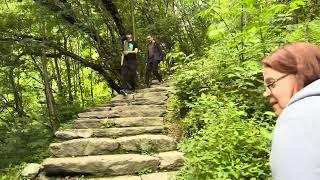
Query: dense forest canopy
{"points": [[59, 57]]}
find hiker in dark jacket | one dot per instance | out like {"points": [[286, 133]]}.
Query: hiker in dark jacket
{"points": [[129, 63], [155, 56]]}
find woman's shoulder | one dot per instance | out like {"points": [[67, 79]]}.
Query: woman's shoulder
{"points": [[306, 110]]}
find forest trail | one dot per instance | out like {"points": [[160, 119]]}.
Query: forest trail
{"points": [[122, 140]]}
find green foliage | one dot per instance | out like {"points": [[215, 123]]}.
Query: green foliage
{"points": [[12, 172], [106, 123], [26, 142], [309, 31], [213, 47], [226, 124], [144, 171], [229, 146], [226, 121], [150, 149]]}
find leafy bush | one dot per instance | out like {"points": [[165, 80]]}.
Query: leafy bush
{"points": [[227, 127], [12, 172], [24, 143], [229, 146]]}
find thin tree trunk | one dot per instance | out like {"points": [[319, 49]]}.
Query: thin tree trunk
{"points": [[166, 4], [80, 86], [54, 122], [69, 83], [79, 74], [91, 82], [51, 107], [16, 93], [241, 29], [133, 19], [75, 78], [173, 8], [58, 77]]}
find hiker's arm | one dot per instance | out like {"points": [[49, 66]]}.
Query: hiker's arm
{"points": [[122, 58], [135, 51], [160, 51]]}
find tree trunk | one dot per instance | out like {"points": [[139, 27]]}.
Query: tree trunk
{"points": [[241, 29], [58, 77], [91, 89], [78, 72], [173, 8], [75, 79], [51, 108], [69, 83], [91, 83], [16, 93], [133, 19]]}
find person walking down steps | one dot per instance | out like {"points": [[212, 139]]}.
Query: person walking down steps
{"points": [[129, 63], [155, 56]]}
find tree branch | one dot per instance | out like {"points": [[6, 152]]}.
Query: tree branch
{"points": [[109, 5], [70, 17]]}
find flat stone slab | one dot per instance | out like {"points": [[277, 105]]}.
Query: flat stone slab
{"points": [[118, 178], [118, 122], [172, 160], [128, 111], [84, 147], [160, 176], [30, 171], [141, 99], [136, 121], [126, 131], [103, 165], [152, 176], [94, 114], [137, 113], [147, 143], [154, 89], [139, 95], [102, 146], [138, 108], [68, 134], [155, 101], [87, 123]]}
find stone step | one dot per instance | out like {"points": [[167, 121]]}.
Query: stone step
{"points": [[157, 83], [68, 134], [141, 112], [171, 160], [94, 114], [146, 143], [142, 95], [154, 89], [126, 107], [137, 113], [142, 98], [118, 122], [138, 107], [103, 165], [152, 176]]}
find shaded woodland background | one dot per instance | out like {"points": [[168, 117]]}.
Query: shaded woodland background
{"points": [[60, 57]]}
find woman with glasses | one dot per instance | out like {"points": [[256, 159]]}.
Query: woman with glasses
{"points": [[291, 76]]}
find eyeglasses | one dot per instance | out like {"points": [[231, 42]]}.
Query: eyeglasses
{"points": [[272, 84]]}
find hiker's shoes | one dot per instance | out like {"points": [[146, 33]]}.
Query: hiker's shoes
{"points": [[123, 92]]}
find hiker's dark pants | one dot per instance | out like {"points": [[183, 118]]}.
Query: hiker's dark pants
{"points": [[129, 73], [152, 65]]}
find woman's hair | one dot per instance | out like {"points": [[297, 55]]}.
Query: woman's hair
{"points": [[300, 59], [129, 33]]}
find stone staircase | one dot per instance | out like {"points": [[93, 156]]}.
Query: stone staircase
{"points": [[121, 141]]}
